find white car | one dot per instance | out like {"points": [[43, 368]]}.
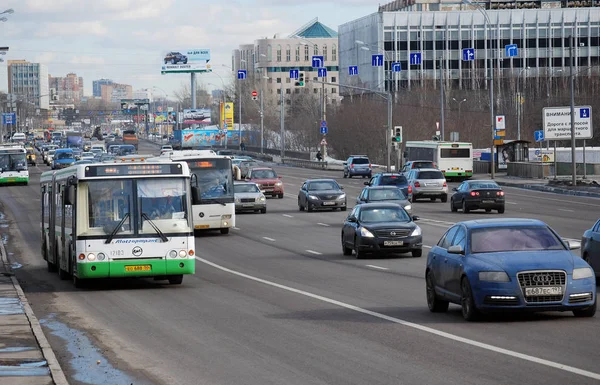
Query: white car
{"points": [[166, 148], [87, 155]]}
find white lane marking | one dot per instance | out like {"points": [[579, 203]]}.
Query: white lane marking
{"points": [[554, 199], [427, 247], [269, 239], [287, 215], [511, 203], [323, 224], [377, 267], [567, 210], [426, 329], [236, 228], [314, 252]]}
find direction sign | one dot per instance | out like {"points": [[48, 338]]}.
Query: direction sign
{"points": [[322, 72], [241, 74], [500, 122], [557, 123], [468, 54], [396, 67], [294, 74], [318, 62], [539, 135], [353, 70], [9, 118], [511, 50], [377, 60], [324, 130], [415, 58]]}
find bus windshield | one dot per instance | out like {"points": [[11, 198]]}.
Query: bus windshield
{"points": [[214, 178], [13, 162]]}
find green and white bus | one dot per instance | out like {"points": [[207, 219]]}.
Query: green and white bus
{"points": [[13, 164], [454, 159], [110, 220]]}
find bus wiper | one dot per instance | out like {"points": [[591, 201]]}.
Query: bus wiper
{"points": [[217, 200], [160, 233], [116, 229]]}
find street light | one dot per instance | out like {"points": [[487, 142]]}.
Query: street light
{"points": [[460, 102], [520, 102], [481, 9]]}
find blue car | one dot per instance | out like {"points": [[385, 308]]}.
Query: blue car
{"points": [[508, 264], [63, 157]]}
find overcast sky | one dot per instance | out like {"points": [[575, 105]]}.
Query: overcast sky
{"points": [[123, 40]]}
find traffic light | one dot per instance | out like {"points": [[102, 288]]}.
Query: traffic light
{"points": [[300, 81], [397, 134]]}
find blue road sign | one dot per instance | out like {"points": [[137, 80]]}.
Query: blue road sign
{"points": [[323, 123], [323, 130], [468, 54], [396, 67], [415, 58], [353, 70], [294, 74], [225, 125], [511, 50], [377, 60], [241, 74], [584, 113], [539, 135], [322, 72], [318, 62], [9, 118]]}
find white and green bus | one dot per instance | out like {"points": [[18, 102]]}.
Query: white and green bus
{"points": [[118, 220], [454, 159], [13, 164]]}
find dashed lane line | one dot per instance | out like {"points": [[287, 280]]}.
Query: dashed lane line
{"points": [[287, 215], [269, 239], [377, 267], [323, 224], [313, 252]]}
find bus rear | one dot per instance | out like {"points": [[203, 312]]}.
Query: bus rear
{"points": [[455, 160]]}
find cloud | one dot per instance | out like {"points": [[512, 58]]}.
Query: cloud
{"points": [[53, 30], [45, 57], [86, 59]]}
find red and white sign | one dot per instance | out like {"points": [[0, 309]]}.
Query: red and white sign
{"points": [[254, 93], [323, 142], [500, 122]]}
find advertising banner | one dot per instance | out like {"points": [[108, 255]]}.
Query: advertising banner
{"points": [[197, 116], [9, 118], [228, 115], [134, 106], [185, 61], [165, 118], [209, 137], [540, 155]]}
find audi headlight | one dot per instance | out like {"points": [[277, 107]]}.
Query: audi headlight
{"points": [[366, 233], [416, 232], [313, 197], [582, 272], [493, 276], [408, 207]]}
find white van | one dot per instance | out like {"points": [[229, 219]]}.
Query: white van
{"points": [[19, 137]]}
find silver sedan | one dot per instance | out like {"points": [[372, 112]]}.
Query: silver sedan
{"points": [[248, 197]]}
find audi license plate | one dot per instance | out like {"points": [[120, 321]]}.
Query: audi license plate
{"points": [[328, 203], [488, 201], [537, 291], [393, 243], [138, 268]]}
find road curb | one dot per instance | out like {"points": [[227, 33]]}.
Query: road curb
{"points": [[58, 376], [555, 190]]}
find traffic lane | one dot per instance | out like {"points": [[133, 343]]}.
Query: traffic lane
{"points": [[404, 298]]}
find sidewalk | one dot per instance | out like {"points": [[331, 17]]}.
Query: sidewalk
{"points": [[561, 185], [26, 357]]}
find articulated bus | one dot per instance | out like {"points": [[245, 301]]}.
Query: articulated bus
{"points": [[13, 164], [212, 179], [454, 159], [114, 220]]}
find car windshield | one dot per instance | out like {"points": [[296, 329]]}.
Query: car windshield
{"points": [[483, 185], [502, 239], [245, 188], [386, 194], [423, 165], [88, 154], [64, 155], [387, 214], [322, 186], [264, 174], [393, 180], [430, 175], [360, 161]]}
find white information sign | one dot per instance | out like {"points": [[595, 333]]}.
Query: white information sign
{"points": [[557, 123]]}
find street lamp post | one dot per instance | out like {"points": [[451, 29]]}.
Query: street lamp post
{"points": [[262, 109], [520, 101], [240, 106], [460, 102]]}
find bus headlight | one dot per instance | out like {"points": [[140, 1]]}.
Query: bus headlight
{"points": [[92, 257], [173, 254], [182, 253], [101, 256], [226, 216]]}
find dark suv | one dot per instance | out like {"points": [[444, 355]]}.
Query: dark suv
{"points": [[357, 165], [416, 164], [175, 57], [389, 179]]}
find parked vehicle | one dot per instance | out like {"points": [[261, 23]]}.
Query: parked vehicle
{"points": [[267, 180], [590, 247], [427, 183], [381, 228], [357, 165], [248, 197], [318, 194], [389, 194], [490, 265], [477, 195]]}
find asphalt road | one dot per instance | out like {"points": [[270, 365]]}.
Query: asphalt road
{"points": [[275, 302]]}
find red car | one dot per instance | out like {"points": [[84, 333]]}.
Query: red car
{"points": [[267, 180]]}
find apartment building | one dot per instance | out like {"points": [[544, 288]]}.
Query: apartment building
{"points": [[29, 82], [69, 89], [97, 86], [113, 93]]}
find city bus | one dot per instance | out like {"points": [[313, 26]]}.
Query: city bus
{"points": [[212, 179], [13, 164], [118, 220], [454, 159]]}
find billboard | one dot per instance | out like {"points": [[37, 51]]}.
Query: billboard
{"points": [[185, 61], [226, 111], [165, 118], [540, 155], [197, 116], [206, 137], [134, 106]]}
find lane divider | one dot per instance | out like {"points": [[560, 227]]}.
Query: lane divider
{"points": [[377, 267]]}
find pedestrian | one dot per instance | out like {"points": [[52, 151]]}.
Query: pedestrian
{"points": [[243, 146], [319, 156]]}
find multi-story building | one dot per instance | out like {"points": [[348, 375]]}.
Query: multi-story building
{"points": [[29, 82], [69, 89], [541, 34], [144, 93], [97, 86], [113, 93], [275, 57]]}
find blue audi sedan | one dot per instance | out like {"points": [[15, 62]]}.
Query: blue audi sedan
{"points": [[507, 264]]}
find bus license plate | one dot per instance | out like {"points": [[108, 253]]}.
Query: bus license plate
{"points": [[537, 291], [201, 226], [455, 168], [138, 268]]}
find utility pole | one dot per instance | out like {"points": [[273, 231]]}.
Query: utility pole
{"points": [[324, 116], [441, 100], [262, 121], [282, 121], [193, 89], [240, 112], [572, 81]]}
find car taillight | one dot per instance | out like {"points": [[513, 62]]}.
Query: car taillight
{"points": [[500, 193], [417, 184], [474, 193], [351, 166], [410, 189], [445, 184], [369, 165]]}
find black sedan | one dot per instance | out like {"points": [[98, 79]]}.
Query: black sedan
{"points": [[477, 194], [317, 194], [381, 228]]}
